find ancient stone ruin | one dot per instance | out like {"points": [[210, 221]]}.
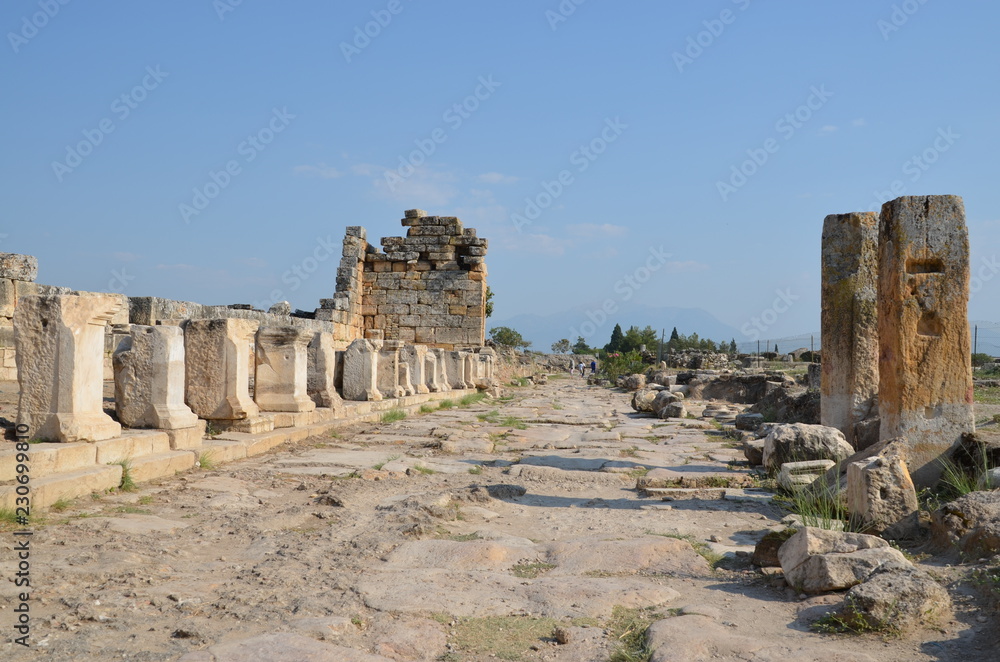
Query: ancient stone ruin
{"points": [[403, 326], [904, 291]]}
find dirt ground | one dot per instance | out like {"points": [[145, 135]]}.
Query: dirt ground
{"points": [[507, 529]]}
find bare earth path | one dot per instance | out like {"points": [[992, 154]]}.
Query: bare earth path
{"points": [[442, 536]]}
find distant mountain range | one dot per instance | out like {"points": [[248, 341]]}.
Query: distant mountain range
{"points": [[596, 326]]}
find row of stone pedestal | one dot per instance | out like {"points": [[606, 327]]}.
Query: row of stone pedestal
{"points": [[169, 377]]}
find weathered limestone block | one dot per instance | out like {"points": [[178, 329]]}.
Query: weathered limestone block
{"points": [[404, 379], [361, 371], [816, 560], [471, 369], [849, 320], [971, 523], [794, 476], [432, 370], [322, 372], [798, 442], [149, 379], [454, 369], [925, 371], [60, 366], [217, 368], [415, 356], [900, 597], [389, 383], [881, 495], [18, 267], [282, 369], [488, 356]]}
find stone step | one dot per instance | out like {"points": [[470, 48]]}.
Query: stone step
{"points": [[46, 491], [132, 444], [222, 450], [161, 465]]}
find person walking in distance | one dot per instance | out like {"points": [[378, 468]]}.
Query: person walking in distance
{"points": [[593, 367]]}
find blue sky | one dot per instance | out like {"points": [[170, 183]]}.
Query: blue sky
{"points": [[211, 151]]}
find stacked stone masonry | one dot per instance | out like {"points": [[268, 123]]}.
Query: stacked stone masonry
{"points": [[428, 287]]}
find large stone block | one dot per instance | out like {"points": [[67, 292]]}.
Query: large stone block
{"points": [[60, 365], [361, 371], [282, 364], [817, 560], [881, 495], [389, 377], [415, 356], [217, 368], [925, 372], [322, 374], [849, 321], [149, 379], [18, 267]]}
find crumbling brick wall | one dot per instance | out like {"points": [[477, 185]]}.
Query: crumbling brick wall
{"points": [[428, 287]]}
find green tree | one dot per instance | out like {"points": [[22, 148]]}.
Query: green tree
{"points": [[732, 347], [635, 338], [776, 348], [581, 346], [617, 340], [981, 359], [504, 335], [561, 346], [489, 301]]}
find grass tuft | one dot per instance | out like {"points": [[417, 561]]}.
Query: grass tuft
{"points": [[476, 470], [446, 404], [393, 415], [531, 570], [206, 460], [471, 399], [127, 484], [501, 637], [427, 409], [628, 628], [378, 466]]}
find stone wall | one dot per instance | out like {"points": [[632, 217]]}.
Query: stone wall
{"points": [[428, 287]]}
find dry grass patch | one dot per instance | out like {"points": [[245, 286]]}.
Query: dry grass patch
{"points": [[501, 637]]}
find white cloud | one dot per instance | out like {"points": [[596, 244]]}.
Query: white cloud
{"points": [[497, 178], [322, 171], [594, 230], [829, 128], [126, 257], [423, 189], [686, 266], [861, 121]]}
